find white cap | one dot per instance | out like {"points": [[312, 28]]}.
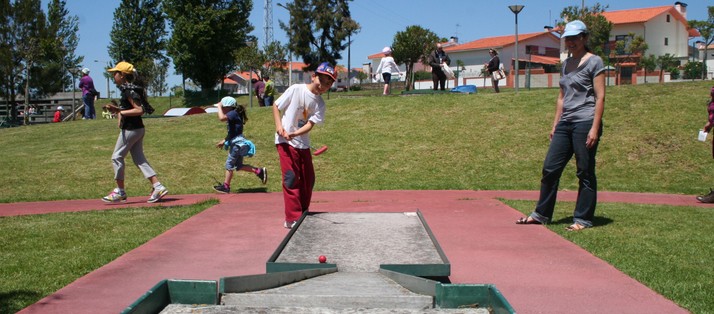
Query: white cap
{"points": [[573, 28], [227, 102], [387, 50], [85, 71], [60, 108]]}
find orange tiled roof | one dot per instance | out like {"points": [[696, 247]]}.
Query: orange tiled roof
{"points": [[642, 15], [484, 43], [499, 41], [244, 75], [228, 81]]}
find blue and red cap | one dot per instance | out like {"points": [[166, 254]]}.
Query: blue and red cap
{"points": [[327, 69]]}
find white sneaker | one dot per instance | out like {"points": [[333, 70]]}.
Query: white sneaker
{"points": [[289, 224], [156, 195]]}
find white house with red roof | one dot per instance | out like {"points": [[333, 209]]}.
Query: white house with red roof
{"points": [[664, 28]]}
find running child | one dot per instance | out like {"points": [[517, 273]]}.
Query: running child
{"points": [[238, 147]]}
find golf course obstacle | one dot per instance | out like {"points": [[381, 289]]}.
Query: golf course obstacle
{"points": [[337, 262]]}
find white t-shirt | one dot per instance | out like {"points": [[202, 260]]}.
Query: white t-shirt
{"points": [[299, 105], [387, 65]]}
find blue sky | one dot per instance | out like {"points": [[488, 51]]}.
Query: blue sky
{"points": [[380, 20]]}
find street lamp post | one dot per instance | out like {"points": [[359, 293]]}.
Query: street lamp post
{"points": [[516, 9]]}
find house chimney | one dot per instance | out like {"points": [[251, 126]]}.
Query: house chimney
{"points": [[454, 40], [548, 28], [681, 8]]}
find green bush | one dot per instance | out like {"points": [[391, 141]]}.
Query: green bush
{"points": [[693, 70]]}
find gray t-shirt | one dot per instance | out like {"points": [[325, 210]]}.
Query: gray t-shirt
{"points": [[578, 90]]}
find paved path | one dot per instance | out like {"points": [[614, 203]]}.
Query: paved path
{"points": [[535, 269]]}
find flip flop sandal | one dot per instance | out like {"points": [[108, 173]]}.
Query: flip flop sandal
{"points": [[527, 221], [575, 227]]}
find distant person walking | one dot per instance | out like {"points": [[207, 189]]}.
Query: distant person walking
{"points": [[87, 85], [493, 65], [577, 128], [386, 67], [436, 60], [269, 95], [709, 198], [131, 134], [238, 146]]}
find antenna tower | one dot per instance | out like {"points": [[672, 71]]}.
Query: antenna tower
{"points": [[268, 23]]}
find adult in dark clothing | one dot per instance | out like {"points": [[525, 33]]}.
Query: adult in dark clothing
{"points": [[436, 59], [259, 87], [493, 66]]}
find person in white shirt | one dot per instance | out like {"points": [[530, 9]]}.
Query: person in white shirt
{"points": [[387, 66], [295, 113]]}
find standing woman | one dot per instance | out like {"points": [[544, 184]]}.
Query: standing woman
{"points": [[386, 67], [577, 128], [493, 66], [131, 135]]}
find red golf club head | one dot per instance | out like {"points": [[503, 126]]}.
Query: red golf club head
{"points": [[320, 151]]}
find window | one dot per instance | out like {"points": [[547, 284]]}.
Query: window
{"points": [[668, 18], [666, 41]]}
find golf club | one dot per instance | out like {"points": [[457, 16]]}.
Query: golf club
{"points": [[316, 151]]}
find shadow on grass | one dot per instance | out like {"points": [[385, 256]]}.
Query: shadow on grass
{"points": [[14, 301], [597, 221]]}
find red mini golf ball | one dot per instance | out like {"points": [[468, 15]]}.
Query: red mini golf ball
{"points": [[322, 259]]}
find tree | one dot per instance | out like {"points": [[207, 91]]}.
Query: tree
{"points": [[158, 73], [665, 63], [361, 76], [275, 55], [7, 54], [319, 30], [631, 47], [706, 29], [138, 36], [249, 58], [59, 47], [598, 26], [649, 64], [411, 46], [206, 37], [692, 70], [29, 27]]}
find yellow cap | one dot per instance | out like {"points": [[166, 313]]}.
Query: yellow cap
{"points": [[123, 67]]}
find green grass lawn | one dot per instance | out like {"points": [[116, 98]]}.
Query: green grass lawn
{"points": [[43, 253], [484, 141]]}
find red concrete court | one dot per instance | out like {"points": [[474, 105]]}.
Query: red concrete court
{"points": [[535, 269]]}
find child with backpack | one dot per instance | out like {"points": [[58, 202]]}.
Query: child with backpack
{"points": [[238, 147], [132, 105]]}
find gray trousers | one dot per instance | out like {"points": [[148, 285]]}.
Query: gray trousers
{"points": [[130, 141]]}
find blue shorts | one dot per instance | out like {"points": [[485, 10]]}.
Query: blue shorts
{"points": [[387, 77], [235, 156]]}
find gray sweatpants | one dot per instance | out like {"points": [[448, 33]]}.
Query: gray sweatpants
{"points": [[131, 141]]}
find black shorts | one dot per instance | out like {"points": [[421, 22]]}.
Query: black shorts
{"points": [[386, 77]]}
